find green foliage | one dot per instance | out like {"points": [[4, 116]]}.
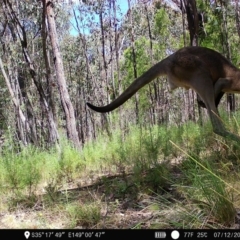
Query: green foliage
{"points": [[21, 170], [162, 22], [142, 60], [85, 215], [213, 35], [167, 32], [70, 163], [22, 173], [166, 40]]}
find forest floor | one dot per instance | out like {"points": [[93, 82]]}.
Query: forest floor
{"points": [[117, 209], [110, 202], [156, 178]]}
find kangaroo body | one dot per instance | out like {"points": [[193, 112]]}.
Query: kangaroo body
{"points": [[202, 69]]}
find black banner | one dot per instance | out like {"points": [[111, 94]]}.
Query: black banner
{"points": [[120, 234]]}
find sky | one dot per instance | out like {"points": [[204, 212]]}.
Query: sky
{"points": [[123, 4]]}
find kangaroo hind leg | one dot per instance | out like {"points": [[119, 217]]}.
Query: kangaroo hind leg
{"points": [[207, 95]]}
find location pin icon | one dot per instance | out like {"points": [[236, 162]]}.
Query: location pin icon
{"points": [[27, 234]]}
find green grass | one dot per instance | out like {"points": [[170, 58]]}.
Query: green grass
{"points": [[209, 190], [86, 215], [187, 176]]}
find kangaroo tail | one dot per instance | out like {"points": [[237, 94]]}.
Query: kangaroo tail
{"points": [[155, 71]]}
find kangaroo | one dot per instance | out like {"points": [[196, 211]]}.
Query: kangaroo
{"points": [[204, 70]]}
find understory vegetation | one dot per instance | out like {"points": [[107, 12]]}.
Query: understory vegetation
{"points": [[149, 177]]}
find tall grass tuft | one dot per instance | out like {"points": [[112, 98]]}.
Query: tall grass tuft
{"points": [[208, 190]]}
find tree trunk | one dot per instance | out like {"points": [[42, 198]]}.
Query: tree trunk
{"points": [[152, 96], [21, 119], [237, 17], [64, 95], [189, 7], [134, 58], [226, 47], [49, 75], [105, 121]]}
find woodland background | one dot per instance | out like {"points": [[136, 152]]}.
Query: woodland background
{"points": [[98, 52], [57, 55]]}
